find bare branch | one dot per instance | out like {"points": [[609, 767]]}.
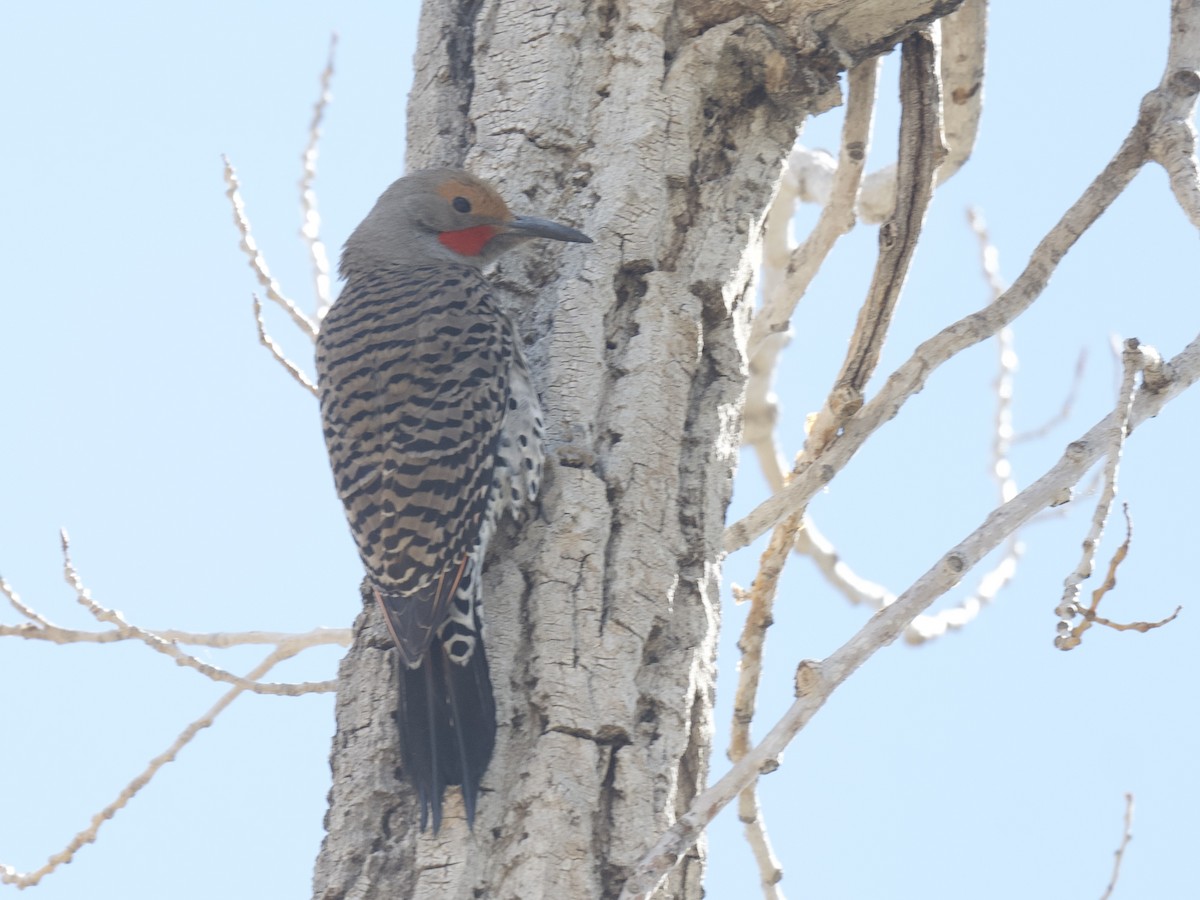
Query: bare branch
{"points": [[310, 230], [964, 41], [257, 262], [812, 543], [276, 351], [1119, 853], [9, 875], [154, 642], [816, 681], [968, 331]]}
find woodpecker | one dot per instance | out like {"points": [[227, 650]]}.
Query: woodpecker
{"points": [[434, 430]]}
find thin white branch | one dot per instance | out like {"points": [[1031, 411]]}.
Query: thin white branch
{"points": [[276, 351], [257, 263], [1002, 436], [926, 627], [220, 640], [812, 543], [28, 612], [310, 229], [155, 642], [929, 626], [816, 681], [9, 875]]}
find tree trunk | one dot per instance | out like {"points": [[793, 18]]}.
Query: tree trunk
{"points": [[657, 127]]}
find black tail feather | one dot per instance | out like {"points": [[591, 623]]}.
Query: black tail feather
{"points": [[447, 720]]}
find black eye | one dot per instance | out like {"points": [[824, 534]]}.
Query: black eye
{"points": [[462, 204]]}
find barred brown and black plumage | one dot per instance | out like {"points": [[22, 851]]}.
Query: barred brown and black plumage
{"points": [[433, 430]]}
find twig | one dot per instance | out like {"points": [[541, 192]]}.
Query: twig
{"points": [[816, 681], [154, 642], [1072, 638], [219, 640], [754, 634], [1069, 607], [9, 875], [28, 612], [812, 543], [1119, 853], [257, 263], [276, 351], [310, 229], [1006, 369], [836, 219], [927, 627]]}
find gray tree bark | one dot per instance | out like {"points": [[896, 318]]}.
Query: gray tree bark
{"points": [[657, 126]]}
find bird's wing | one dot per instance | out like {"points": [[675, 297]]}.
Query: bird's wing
{"points": [[413, 374]]}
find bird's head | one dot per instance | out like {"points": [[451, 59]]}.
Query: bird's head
{"points": [[443, 215]]}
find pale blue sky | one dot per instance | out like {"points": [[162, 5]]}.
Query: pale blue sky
{"points": [[139, 412]]}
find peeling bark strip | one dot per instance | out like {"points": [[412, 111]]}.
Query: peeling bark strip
{"points": [[921, 152], [659, 127]]}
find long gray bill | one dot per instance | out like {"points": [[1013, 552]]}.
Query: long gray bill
{"points": [[532, 226]]}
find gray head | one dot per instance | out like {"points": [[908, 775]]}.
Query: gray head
{"points": [[442, 215]]}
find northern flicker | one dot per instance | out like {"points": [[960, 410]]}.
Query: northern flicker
{"points": [[434, 430]]}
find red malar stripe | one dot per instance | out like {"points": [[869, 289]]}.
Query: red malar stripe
{"points": [[468, 241]]}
